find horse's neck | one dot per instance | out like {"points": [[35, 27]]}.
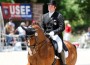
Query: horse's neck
{"points": [[45, 43]]}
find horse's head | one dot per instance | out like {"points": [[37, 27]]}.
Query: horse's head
{"points": [[36, 35]]}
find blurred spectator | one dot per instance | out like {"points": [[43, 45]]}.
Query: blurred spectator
{"points": [[9, 28], [88, 35], [21, 32], [9, 38], [85, 39], [67, 31], [12, 25], [16, 44]]}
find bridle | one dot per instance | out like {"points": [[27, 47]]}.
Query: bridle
{"points": [[35, 45], [29, 37]]}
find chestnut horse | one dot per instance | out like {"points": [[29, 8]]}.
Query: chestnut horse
{"points": [[41, 51]]}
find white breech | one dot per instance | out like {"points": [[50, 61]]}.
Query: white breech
{"points": [[59, 42]]}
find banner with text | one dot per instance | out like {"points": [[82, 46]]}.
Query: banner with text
{"points": [[17, 11]]}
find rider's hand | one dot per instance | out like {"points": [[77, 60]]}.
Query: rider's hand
{"points": [[51, 33]]}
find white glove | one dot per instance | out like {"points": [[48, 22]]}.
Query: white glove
{"points": [[51, 33]]}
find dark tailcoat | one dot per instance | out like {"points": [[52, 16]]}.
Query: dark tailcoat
{"points": [[54, 23]]}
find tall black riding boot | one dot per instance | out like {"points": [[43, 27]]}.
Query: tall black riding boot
{"points": [[62, 58]]}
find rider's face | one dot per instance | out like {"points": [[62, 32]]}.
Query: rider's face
{"points": [[51, 8]]}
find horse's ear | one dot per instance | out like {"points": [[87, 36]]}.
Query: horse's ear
{"points": [[35, 23]]}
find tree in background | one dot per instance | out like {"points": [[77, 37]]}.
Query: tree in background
{"points": [[12, 1], [77, 11]]}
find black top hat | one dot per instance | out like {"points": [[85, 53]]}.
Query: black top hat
{"points": [[52, 2]]}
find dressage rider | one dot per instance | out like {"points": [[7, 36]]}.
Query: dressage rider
{"points": [[53, 23]]}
